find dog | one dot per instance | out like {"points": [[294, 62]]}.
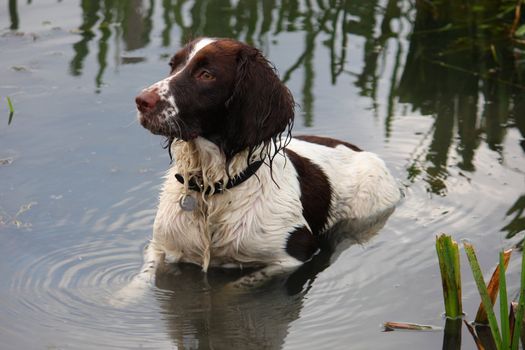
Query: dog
{"points": [[241, 191]]}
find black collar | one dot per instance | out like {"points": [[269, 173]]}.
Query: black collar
{"points": [[219, 186]]}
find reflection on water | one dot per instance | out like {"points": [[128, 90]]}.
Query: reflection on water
{"points": [[13, 14], [445, 77], [464, 71], [517, 224], [129, 21], [204, 311]]}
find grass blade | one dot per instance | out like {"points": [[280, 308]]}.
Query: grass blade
{"points": [[448, 256], [519, 311], [493, 288], [503, 305], [10, 104], [11, 110], [482, 288]]}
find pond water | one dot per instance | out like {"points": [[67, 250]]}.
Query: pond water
{"points": [[437, 91]]}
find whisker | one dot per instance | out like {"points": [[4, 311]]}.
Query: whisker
{"points": [[131, 123]]}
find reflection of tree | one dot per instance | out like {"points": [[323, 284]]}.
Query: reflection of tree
{"points": [[461, 69], [89, 19], [13, 14], [250, 21], [103, 42], [517, 224], [136, 30]]}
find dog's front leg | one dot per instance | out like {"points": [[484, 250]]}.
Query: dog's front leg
{"points": [[153, 262], [262, 276], [137, 287]]}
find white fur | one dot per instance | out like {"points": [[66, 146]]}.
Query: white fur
{"points": [[250, 224]]}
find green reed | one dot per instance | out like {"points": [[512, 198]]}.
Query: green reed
{"points": [[506, 335]]}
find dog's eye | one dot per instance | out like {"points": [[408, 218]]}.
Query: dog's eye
{"points": [[205, 75]]}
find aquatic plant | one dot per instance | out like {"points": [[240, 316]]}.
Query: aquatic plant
{"points": [[486, 300], [11, 110], [486, 332], [506, 335], [448, 256]]}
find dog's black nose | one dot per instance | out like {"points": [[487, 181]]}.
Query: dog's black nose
{"points": [[146, 101]]}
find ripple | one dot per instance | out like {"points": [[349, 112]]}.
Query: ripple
{"points": [[69, 289]]}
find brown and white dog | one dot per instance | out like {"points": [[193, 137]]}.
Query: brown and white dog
{"points": [[241, 191]]}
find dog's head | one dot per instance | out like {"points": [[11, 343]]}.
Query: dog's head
{"points": [[222, 90]]}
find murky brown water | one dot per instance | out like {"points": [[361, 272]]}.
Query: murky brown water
{"points": [[437, 91]]}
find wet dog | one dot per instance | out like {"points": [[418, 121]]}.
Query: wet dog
{"points": [[241, 190]]}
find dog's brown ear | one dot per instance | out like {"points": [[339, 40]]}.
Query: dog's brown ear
{"points": [[261, 107]]}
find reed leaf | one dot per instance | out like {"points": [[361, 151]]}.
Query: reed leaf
{"points": [[503, 306], [519, 311], [482, 288], [10, 105], [448, 256], [493, 288]]}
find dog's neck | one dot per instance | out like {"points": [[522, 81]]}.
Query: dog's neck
{"points": [[204, 161]]}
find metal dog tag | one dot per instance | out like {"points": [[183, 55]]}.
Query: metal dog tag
{"points": [[188, 203]]}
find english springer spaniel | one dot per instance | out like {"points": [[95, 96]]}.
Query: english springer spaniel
{"points": [[241, 191]]}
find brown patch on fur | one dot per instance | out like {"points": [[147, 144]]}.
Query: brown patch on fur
{"points": [[327, 141], [316, 191], [244, 106], [301, 244], [261, 107]]}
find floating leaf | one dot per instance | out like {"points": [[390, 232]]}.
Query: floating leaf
{"points": [[390, 326]]}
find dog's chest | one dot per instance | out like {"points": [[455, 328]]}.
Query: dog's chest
{"points": [[233, 228]]}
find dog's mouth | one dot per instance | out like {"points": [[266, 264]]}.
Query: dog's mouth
{"points": [[166, 123]]}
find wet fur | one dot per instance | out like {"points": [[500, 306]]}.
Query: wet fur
{"points": [[275, 218]]}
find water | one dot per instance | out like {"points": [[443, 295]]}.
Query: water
{"points": [[437, 92]]}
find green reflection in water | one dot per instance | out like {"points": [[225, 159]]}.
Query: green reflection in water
{"points": [[13, 14], [456, 62], [462, 68], [517, 223]]}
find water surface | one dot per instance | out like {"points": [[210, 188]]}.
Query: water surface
{"points": [[437, 91]]}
